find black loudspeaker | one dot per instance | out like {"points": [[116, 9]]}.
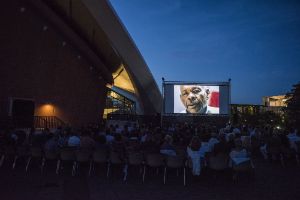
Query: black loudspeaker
{"points": [[22, 113]]}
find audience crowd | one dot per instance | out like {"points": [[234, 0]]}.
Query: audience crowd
{"points": [[196, 143]]}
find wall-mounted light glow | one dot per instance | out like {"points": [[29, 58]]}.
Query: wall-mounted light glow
{"points": [[46, 110], [22, 9]]}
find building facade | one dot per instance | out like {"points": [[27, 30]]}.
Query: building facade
{"points": [[275, 101], [67, 57]]}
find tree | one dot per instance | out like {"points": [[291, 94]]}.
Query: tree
{"points": [[293, 107]]}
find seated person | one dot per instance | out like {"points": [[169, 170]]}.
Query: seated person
{"points": [[263, 151], [100, 142], [38, 139], [212, 141], [109, 137], [118, 146], [205, 145], [86, 141], [273, 147], [133, 145], [167, 147], [73, 141], [238, 154], [292, 133], [294, 139], [221, 146], [63, 137], [194, 153], [52, 143], [151, 145]]}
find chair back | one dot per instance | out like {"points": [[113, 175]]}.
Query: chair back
{"points": [[297, 146], [83, 156], [50, 155], [274, 149], [115, 158], [67, 154], [22, 151], [181, 152], [155, 160], [244, 166], [9, 150], [287, 152], [100, 156], [135, 158], [273, 146], [218, 162], [246, 142], [36, 152], [175, 161], [189, 163]]}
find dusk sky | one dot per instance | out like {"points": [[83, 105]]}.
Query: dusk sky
{"points": [[255, 43]]}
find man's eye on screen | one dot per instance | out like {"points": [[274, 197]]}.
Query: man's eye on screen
{"points": [[196, 91]]}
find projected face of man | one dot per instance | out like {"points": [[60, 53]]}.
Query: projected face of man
{"points": [[194, 98]]}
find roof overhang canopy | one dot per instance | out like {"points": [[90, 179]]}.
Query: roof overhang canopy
{"points": [[96, 23]]}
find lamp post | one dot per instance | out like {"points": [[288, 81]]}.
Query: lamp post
{"points": [[162, 101], [229, 109]]}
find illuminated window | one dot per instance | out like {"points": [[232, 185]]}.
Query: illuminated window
{"points": [[122, 79], [118, 104]]}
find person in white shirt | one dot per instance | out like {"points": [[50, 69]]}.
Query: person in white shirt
{"points": [[109, 138], [212, 141], [293, 138], [194, 153], [239, 155]]}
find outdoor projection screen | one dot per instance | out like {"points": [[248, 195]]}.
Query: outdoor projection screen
{"points": [[197, 98]]}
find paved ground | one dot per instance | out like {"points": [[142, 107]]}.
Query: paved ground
{"points": [[272, 181]]}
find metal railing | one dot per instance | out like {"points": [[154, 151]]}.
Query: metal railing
{"points": [[47, 122]]}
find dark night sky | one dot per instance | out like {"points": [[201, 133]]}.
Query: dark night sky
{"points": [[255, 43]]}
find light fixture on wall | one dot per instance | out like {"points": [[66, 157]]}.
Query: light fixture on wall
{"points": [[64, 43], [45, 28], [47, 109]]}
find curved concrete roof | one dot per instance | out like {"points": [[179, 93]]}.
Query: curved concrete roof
{"points": [[96, 22]]}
